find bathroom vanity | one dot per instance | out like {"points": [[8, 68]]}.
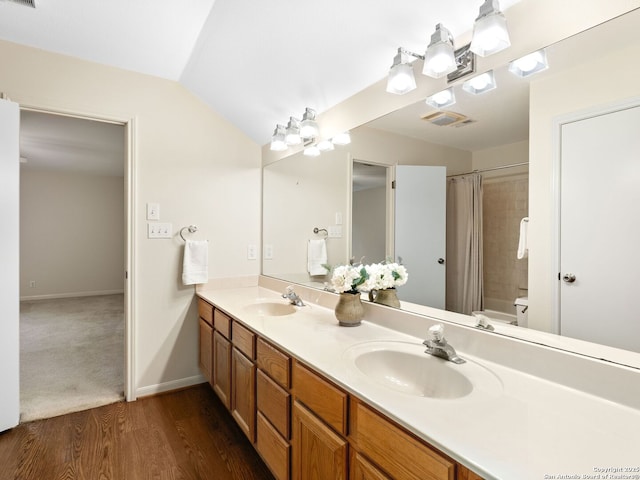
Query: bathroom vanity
{"points": [[322, 401]]}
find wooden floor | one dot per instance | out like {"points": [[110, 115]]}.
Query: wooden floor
{"points": [[181, 435]]}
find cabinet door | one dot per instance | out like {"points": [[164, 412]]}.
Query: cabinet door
{"points": [[206, 349], [362, 469], [318, 452], [243, 393], [222, 368]]}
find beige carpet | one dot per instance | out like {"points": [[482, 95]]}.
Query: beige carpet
{"points": [[71, 355]]}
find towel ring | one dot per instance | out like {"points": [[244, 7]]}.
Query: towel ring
{"points": [[191, 228], [317, 230]]}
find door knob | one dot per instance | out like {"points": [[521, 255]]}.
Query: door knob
{"points": [[441, 261], [569, 278]]}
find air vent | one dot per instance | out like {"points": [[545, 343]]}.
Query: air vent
{"points": [[464, 123], [443, 119], [25, 3]]}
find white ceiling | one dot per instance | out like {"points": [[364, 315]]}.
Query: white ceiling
{"points": [[254, 62]]}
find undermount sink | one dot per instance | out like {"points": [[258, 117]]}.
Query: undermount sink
{"points": [[270, 309], [405, 368]]}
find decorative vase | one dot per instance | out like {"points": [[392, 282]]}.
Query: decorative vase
{"points": [[388, 297], [349, 310]]}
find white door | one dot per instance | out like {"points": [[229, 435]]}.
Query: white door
{"points": [[420, 232], [600, 229], [9, 265]]}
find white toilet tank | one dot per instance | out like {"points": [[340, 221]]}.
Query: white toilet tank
{"points": [[522, 311]]}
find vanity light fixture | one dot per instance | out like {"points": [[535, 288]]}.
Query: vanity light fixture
{"points": [[480, 84], [278, 142], [529, 64], [325, 146], [442, 99], [311, 151], [401, 79], [490, 34], [308, 126], [343, 138], [292, 136], [439, 58]]}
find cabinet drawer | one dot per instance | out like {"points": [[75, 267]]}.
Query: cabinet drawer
{"points": [[275, 363], [275, 403], [222, 323], [326, 400], [205, 311], [273, 449], [394, 450], [244, 340]]}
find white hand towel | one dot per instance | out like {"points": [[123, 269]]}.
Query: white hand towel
{"points": [[523, 244], [316, 257], [195, 266]]}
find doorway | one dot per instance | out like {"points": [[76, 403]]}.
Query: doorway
{"points": [[74, 209]]}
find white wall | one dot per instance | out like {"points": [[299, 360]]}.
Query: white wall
{"points": [[503, 155], [604, 81], [201, 170], [71, 234]]}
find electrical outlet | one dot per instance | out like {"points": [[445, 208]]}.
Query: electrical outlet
{"points": [[268, 252], [252, 252]]}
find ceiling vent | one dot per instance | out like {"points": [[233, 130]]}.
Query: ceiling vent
{"points": [[25, 3], [444, 119]]}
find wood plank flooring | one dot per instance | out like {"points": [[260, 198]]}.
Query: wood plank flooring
{"points": [[180, 435]]}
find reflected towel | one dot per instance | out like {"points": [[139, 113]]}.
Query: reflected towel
{"points": [[523, 244], [316, 257], [195, 266]]}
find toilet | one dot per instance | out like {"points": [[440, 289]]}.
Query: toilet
{"points": [[522, 313]]}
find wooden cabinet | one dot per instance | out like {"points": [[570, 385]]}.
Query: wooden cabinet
{"points": [[273, 448], [222, 368], [243, 393], [205, 320], [206, 350], [318, 452], [362, 469], [274, 363], [395, 450]]}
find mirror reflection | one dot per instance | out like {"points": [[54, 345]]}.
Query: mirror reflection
{"points": [[482, 143]]}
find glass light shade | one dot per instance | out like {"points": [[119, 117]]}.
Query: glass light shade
{"points": [[292, 135], [490, 34], [309, 127], [401, 79], [480, 84], [278, 142], [529, 64], [312, 151], [439, 58], [343, 138], [325, 146], [442, 99]]}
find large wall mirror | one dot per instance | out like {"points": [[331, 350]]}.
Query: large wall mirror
{"points": [[346, 194]]}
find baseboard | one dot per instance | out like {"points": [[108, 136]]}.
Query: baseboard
{"points": [[169, 386], [52, 296]]}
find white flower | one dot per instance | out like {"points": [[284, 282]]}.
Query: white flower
{"points": [[347, 278], [385, 275]]}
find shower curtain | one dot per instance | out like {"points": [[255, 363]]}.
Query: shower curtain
{"points": [[464, 244]]}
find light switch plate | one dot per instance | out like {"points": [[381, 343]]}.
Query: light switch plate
{"points": [[159, 230], [153, 211], [335, 231]]}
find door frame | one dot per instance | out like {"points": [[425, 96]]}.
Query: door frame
{"points": [[556, 172], [130, 178]]}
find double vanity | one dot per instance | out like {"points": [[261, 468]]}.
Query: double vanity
{"points": [[322, 401]]}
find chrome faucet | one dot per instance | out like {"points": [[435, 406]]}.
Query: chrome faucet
{"points": [[437, 345], [293, 297]]}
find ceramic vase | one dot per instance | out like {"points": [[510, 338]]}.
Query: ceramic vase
{"points": [[349, 310], [388, 297]]}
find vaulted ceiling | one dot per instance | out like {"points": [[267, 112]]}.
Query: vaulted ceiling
{"points": [[255, 62]]}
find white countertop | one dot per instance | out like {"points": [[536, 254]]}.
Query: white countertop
{"points": [[531, 428]]}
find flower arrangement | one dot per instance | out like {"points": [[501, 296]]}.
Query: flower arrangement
{"points": [[362, 278], [385, 275]]}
